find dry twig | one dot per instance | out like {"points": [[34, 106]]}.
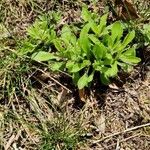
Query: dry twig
{"points": [[47, 74], [122, 132]]}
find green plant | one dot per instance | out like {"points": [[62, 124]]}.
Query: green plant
{"points": [[142, 32], [41, 34], [62, 134], [146, 33], [97, 48]]}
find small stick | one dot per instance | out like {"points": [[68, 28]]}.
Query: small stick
{"points": [[122, 132], [10, 141], [123, 140], [55, 80]]}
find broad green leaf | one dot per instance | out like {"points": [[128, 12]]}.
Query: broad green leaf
{"points": [[103, 22], [90, 78], [130, 36], [107, 72], [110, 42], [107, 40], [76, 67], [43, 56], [94, 39], [108, 59], [97, 65], [94, 27], [84, 41], [86, 15], [75, 77], [111, 72], [55, 66], [70, 64], [104, 79], [129, 59], [58, 44], [66, 32], [125, 67], [130, 52], [83, 81], [116, 32], [114, 48], [99, 51], [86, 63]]}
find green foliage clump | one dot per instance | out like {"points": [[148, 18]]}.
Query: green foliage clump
{"points": [[146, 32], [82, 50], [62, 134]]}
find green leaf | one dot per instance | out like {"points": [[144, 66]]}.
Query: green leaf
{"points": [[58, 44], [130, 36], [74, 67], [84, 41], [26, 48], [108, 59], [86, 15], [75, 77], [39, 30], [99, 51], [90, 78], [51, 36], [94, 39], [97, 65], [130, 52], [107, 40], [125, 67], [55, 66], [114, 48], [70, 64], [83, 81], [94, 27], [129, 59], [116, 32], [112, 72], [43, 56], [104, 79], [67, 35], [103, 22]]}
